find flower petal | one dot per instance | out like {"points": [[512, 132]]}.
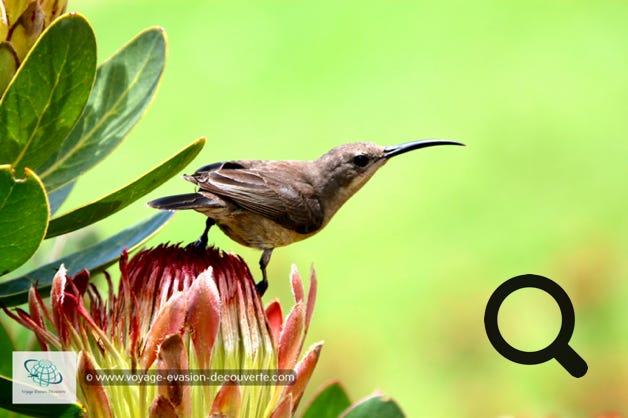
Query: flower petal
{"points": [[274, 316], [170, 320], [57, 293], [172, 357], [26, 321], [203, 316], [297, 284], [304, 371], [228, 401], [249, 323], [37, 313], [246, 340], [284, 409], [162, 408], [27, 29], [94, 393], [66, 317], [36, 302], [311, 298], [291, 337], [52, 9], [80, 281]]}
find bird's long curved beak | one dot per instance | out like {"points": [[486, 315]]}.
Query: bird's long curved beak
{"points": [[392, 150]]}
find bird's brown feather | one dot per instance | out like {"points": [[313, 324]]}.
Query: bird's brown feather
{"points": [[293, 205]]}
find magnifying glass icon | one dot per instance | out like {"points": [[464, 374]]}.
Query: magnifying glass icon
{"points": [[559, 348]]}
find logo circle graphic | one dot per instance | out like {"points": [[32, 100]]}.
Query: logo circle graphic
{"points": [[43, 372]]}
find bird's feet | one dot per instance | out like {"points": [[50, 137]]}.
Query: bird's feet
{"points": [[261, 286], [202, 241]]}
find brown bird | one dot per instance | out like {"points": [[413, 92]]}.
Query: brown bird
{"points": [[268, 204]]}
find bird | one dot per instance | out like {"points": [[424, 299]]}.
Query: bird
{"points": [[265, 204]]}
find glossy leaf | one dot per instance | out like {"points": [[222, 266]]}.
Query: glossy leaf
{"points": [[6, 351], [94, 258], [328, 403], [107, 205], [123, 89], [375, 406], [48, 93], [23, 218], [73, 410]]}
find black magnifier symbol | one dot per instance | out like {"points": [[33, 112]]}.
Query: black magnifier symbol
{"points": [[559, 348]]}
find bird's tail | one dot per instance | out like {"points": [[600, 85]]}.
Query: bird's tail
{"points": [[182, 201]]}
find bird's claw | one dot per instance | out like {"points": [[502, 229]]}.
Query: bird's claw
{"points": [[260, 287], [201, 242]]}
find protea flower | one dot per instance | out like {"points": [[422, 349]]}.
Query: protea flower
{"points": [[21, 23], [183, 309]]}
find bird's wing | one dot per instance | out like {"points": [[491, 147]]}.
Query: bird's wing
{"points": [[186, 201], [265, 191]]}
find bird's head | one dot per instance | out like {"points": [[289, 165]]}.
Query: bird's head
{"points": [[346, 168]]}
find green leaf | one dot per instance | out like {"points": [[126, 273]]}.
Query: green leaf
{"points": [[328, 403], [107, 205], [73, 410], [48, 93], [23, 217], [6, 350], [123, 89], [94, 258], [375, 406]]}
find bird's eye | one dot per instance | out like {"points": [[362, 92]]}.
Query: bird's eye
{"points": [[361, 160]]}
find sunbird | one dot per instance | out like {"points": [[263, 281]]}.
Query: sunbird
{"points": [[266, 204]]}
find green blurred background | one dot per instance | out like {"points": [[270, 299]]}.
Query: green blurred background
{"points": [[539, 93]]}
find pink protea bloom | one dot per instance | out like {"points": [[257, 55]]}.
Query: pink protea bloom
{"points": [[184, 309]]}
